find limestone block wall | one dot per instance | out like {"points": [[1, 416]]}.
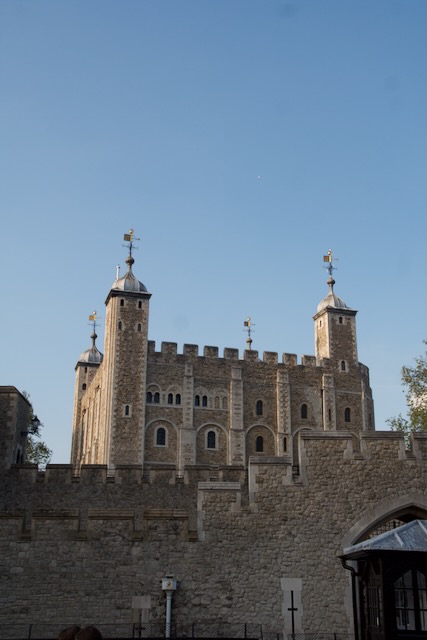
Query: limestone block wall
{"points": [[88, 546]]}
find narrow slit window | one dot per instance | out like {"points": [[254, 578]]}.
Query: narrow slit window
{"points": [[84, 386], [340, 320], [347, 414], [259, 444], [285, 444], [127, 410], [122, 302], [259, 408], [343, 367], [139, 326], [120, 326], [304, 411], [139, 304]]}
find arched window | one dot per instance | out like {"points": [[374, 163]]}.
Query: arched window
{"points": [[347, 414], [211, 440], [343, 367], [410, 598], [178, 398], [120, 326], [205, 401], [304, 411], [127, 410], [197, 401], [259, 443], [139, 326], [156, 397], [149, 397], [122, 302], [258, 408], [216, 402], [161, 437], [170, 398], [224, 403], [84, 386]]}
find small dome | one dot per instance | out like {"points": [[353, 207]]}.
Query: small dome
{"points": [[331, 300], [92, 355], [129, 282]]}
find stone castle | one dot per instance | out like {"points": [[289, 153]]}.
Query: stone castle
{"points": [[242, 480]]}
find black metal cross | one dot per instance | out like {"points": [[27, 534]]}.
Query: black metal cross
{"points": [[292, 609]]}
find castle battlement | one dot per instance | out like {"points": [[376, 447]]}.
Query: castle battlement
{"points": [[193, 351]]}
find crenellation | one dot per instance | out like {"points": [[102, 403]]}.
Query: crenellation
{"points": [[250, 355], [290, 359], [308, 361], [191, 350], [210, 352], [231, 354], [169, 348], [270, 357]]}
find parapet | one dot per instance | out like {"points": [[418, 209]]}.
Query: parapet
{"points": [[210, 352], [169, 348]]}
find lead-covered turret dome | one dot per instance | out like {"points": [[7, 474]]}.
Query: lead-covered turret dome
{"points": [[331, 300], [92, 355], [129, 282]]}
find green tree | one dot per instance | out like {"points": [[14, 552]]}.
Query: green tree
{"points": [[36, 451], [414, 380]]}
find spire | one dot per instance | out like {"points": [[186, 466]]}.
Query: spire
{"points": [[128, 282], [331, 300], [248, 327], [92, 355]]}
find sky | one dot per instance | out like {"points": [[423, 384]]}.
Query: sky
{"points": [[241, 140]]}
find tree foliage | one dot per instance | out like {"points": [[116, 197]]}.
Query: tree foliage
{"points": [[36, 451], [414, 380]]}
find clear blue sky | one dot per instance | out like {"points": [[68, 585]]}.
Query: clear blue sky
{"points": [[241, 139]]}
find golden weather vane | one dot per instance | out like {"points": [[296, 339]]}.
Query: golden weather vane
{"points": [[130, 239], [248, 324], [330, 260]]}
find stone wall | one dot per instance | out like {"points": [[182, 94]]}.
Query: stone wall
{"points": [[86, 547]]}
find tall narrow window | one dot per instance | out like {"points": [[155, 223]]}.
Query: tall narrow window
{"points": [[157, 397], [259, 408], [329, 414], [197, 401], [410, 601], [340, 320], [84, 386], [343, 367], [178, 398], [120, 326], [170, 398], [211, 440], [224, 403], [304, 411], [347, 414], [139, 326], [259, 444], [205, 401], [127, 410], [122, 302], [149, 397], [161, 437], [139, 304], [285, 444]]}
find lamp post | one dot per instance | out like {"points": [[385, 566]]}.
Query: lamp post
{"points": [[169, 585]]}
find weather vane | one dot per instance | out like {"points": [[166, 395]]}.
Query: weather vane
{"points": [[329, 259], [92, 318], [248, 324], [129, 238]]}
